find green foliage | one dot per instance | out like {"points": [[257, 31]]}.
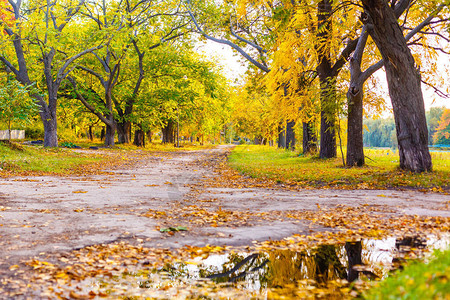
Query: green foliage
{"points": [[16, 107], [417, 281], [68, 145], [381, 171], [380, 133]]}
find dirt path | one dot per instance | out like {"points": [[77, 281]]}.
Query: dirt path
{"points": [[55, 214]]}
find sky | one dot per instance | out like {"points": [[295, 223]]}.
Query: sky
{"points": [[235, 70]]}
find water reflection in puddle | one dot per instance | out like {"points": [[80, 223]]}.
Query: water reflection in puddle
{"points": [[371, 259], [323, 271]]}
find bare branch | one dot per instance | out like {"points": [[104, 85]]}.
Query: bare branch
{"points": [[436, 90]]}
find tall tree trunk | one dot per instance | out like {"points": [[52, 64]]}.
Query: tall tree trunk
{"points": [[309, 138], [326, 78], [404, 86], [290, 135], [124, 132], [355, 145]]}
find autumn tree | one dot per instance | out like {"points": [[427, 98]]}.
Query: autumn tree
{"points": [[48, 31], [417, 28], [433, 118], [404, 82], [442, 134], [134, 28]]}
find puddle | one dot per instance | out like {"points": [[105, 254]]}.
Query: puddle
{"points": [[325, 271]]}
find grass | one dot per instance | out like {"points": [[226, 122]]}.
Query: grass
{"points": [[417, 281], [381, 170], [18, 159]]}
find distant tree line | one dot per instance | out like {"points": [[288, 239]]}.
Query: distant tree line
{"points": [[381, 132]]}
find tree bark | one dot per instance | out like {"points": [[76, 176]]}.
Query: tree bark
{"points": [[110, 131], [282, 137], [309, 139], [355, 145], [326, 78], [139, 138], [290, 135], [124, 132], [168, 132], [404, 86], [327, 136]]}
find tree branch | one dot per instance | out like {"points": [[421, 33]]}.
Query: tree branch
{"points": [[62, 72], [86, 104], [226, 42]]}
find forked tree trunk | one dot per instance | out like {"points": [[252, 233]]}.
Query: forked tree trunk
{"points": [[404, 86]]}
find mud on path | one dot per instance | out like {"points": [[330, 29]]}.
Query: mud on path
{"points": [[57, 214]]}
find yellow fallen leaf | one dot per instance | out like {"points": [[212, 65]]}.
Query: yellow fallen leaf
{"points": [[79, 192]]}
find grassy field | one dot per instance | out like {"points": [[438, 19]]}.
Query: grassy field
{"points": [[18, 159], [381, 171]]}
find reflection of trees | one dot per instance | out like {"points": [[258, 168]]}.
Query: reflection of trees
{"points": [[328, 265], [279, 268], [354, 251], [406, 245], [248, 265]]}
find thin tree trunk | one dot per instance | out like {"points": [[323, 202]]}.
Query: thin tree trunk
{"points": [[404, 86], [326, 78], [282, 137]]}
